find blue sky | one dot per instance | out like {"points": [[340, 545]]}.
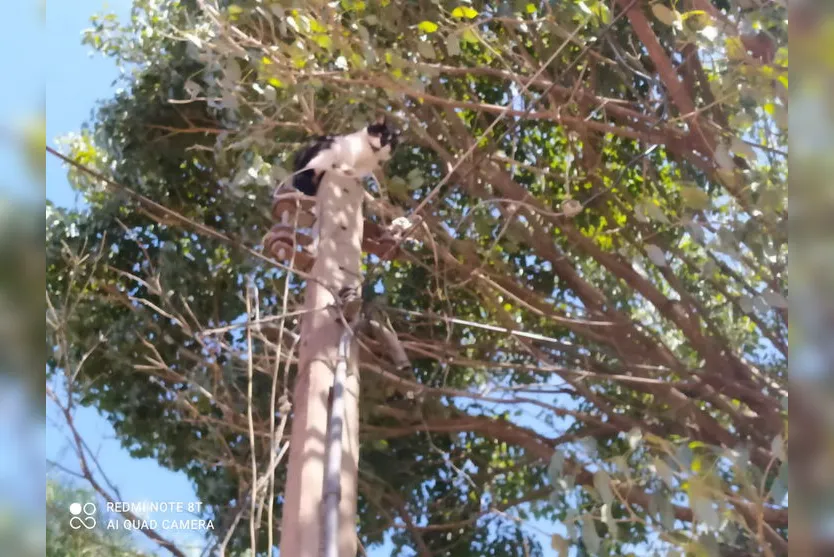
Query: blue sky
{"points": [[20, 24]]}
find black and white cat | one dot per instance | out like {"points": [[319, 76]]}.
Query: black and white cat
{"points": [[356, 154]]}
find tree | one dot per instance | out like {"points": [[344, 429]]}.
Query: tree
{"points": [[595, 306]]}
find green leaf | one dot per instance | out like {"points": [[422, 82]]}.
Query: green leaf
{"points": [[560, 545], [600, 10], [746, 303], [602, 483], [350, 5], [453, 44], [640, 212], [324, 41], [777, 447], [775, 300], [656, 255], [684, 454], [665, 472], [570, 523], [696, 19], [415, 179], [742, 149], [589, 444], [317, 27], [704, 511], [364, 34], [464, 12], [760, 305], [664, 14], [723, 158], [427, 26], [620, 464], [589, 535], [557, 464], [426, 50], [470, 36], [695, 198], [398, 187], [655, 212], [780, 116], [667, 512], [735, 48], [608, 519], [697, 464]]}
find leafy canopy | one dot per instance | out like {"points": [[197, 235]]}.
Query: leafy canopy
{"points": [[606, 179]]}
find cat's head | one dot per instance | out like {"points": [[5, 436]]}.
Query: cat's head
{"points": [[382, 136]]}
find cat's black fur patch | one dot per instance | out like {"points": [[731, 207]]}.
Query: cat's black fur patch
{"points": [[307, 182]]}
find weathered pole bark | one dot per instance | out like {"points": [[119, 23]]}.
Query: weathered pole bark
{"points": [[337, 265]]}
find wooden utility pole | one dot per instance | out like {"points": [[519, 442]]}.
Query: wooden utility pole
{"points": [[336, 266]]}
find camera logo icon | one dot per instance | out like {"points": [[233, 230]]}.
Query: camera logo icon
{"points": [[83, 516]]}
